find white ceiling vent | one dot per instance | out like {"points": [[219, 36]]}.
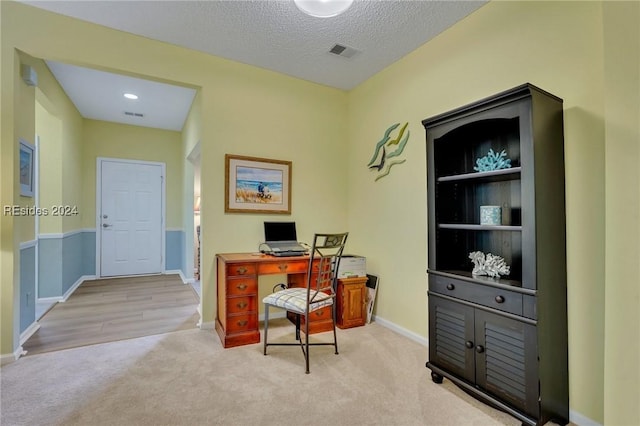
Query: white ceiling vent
{"points": [[133, 114], [344, 51]]}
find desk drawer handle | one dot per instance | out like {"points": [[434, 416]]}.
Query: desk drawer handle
{"points": [[450, 286], [241, 286], [241, 270], [242, 323], [242, 305], [283, 267], [319, 313]]}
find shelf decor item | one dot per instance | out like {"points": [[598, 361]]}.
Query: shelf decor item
{"points": [[490, 215], [488, 264], [493, 161]]}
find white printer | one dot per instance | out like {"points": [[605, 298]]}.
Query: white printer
{"points": [[352, 265]]}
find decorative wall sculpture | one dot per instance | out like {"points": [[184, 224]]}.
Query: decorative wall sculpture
{"points": [[383, 150]]}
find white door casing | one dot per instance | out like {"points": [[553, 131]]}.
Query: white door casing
{"points": [[130, 211]]}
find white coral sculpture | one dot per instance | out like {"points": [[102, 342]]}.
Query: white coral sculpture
{"points": [[490, 265]]}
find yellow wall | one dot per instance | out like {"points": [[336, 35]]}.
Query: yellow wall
{"points": [[622, 141], [112, 140], [557, 46]]}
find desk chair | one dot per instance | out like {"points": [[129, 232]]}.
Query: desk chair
{"points": [[319, 292]]}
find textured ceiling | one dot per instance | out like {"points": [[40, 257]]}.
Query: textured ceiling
{"points": [[271, 34], [276, 35]]}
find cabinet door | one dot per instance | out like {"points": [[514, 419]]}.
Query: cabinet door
{"points": [[506, 360], [451, 339], [353, 305]]}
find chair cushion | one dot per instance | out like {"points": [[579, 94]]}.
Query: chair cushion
{"points": [[295, 299]]}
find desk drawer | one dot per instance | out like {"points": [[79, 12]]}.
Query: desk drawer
{"points": [[234, 269], [241, 304], [242, 286], [320, 314], [242, 322], [284, 267], [497, 298]]}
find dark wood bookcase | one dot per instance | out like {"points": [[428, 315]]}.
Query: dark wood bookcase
{"points": [[504, 340]]}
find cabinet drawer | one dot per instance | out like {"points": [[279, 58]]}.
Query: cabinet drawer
{"points": [[241, 304], [242, 322], [234, 269], [320, 314], [242, 286], [284, 267], [497, 298]]}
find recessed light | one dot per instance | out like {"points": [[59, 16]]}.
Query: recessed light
{"points": [[323, 8], [130, 96]]}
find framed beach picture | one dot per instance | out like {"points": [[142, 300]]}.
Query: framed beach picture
{"points": [[257, 185], [26, 168]]}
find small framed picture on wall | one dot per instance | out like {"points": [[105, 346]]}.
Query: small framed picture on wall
{"points": [[27, 154]]}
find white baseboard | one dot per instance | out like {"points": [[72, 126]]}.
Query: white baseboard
{"points": [[401, 330], [179, 272], [9, 358], [50, 299], [574, 416], [207, 325], [273, 315], [579, 419], [24, 336], [75, 286]]}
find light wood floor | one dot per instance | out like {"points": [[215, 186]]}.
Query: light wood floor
{"points": [[115, 309]]}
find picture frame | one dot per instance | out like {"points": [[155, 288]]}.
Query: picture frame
{"points": [[26, 170], [257, 185]]}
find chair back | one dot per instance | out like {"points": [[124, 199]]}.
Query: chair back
{"points": [[326, 252]]}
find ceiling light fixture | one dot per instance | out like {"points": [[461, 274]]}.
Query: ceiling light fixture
{"points": [[130, 96], [323, 8]]}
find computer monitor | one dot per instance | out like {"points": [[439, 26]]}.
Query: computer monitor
{"points": [[280, 231]]}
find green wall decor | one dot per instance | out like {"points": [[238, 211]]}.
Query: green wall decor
{"points": [[381, 155]]}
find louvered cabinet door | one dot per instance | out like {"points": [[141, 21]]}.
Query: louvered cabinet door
{"points": [[506, 360], [451, 337]]}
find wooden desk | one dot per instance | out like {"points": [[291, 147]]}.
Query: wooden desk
{"points": [[237, 317]]}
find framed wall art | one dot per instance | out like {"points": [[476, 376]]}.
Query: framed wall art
{"points": [[27, 152], [257, 185]]}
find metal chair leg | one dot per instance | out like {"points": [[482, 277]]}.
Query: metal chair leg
{"points": [[335, 336], [266, 326], [306, 339]]}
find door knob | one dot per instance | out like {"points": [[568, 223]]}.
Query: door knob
{"points": [[105, 225]]}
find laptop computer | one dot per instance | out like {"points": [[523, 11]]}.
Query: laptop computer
{"points": [[281, 239]]}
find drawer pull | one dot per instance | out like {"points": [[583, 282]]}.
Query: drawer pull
{"points": [[479, 349], [450, 286], [242, 270], [319, 313], [469, 344], [241, 286], [242, 305], [242, 323], [499, 299], [283, 267]]}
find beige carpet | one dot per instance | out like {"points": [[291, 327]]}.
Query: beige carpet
{"points": [[187, 378]]}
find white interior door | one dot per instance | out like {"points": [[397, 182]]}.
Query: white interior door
{"points": [[130, 218]]}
